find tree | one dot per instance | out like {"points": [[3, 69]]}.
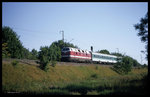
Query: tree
{"points": [[52, 54], [124, 66], [136, 63], [62, 44], [56, 47], [44, 57], [5, 52], [55, 52], [34, 54], [27, 54], [117, 54], [103, 51], [142, 28], [14, 46]]}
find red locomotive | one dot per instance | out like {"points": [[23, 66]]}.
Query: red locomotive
{"points": [[74, 54]]}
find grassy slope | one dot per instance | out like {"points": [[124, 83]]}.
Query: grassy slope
{"points": [[27, 78]]}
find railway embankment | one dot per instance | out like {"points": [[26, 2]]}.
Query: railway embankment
{"points": [[68, 78]]}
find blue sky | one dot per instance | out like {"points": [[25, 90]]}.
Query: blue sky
{"points": [[102, 25]]}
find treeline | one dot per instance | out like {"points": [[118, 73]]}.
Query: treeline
{"points": [[13, 48]]}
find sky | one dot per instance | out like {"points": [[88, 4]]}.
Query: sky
{"points": [[103, 25]]}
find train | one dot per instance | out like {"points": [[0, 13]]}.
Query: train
{"points": [[79, 55]]}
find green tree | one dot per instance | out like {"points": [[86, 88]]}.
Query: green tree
{"points": [[5, 53], [52, 54], [44, 57], [136, 63], [55, 52], [34, 54], [117, 54], [56, 47], [14, 46], [142, 28], [124, 66], [104, 51], [26, 54], [62, 44]]}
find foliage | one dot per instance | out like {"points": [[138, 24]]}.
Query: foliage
{"points": [[52, 53], [103, 51], [44, 57], [14, 63], [14, 46], [47, 67], [47, 55], [34, 54], [56, 48], [117, 54], [135, 63], [124, 66], [55, 52], [142, 28], [53, 63], [26, 54], [5, 53]]}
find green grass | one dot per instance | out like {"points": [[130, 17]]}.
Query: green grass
{"points": [[71, 80]]}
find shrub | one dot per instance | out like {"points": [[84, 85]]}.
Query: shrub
{"points": [[53, 63], [46, 67], [44, 57], [14, 63], [124, 66]]}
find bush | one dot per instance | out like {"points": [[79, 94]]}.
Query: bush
{"points": [[14, 63], [44, 57], [46, 68], [124, 66], [53, 63]]}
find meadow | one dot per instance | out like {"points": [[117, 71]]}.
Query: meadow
{"points": [[72, 80]]}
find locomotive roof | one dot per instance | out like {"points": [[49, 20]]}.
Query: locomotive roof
{"points": [[76, 49]]}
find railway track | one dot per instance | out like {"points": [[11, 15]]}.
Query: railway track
{"points": [[36, 62]]}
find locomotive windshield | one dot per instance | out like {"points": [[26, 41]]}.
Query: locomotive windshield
{"points": [[65, 49]]}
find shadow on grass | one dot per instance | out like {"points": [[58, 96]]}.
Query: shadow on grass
{"points": [[133, 87]]}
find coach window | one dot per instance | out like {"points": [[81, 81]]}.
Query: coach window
{"points": [[100, 56]]}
